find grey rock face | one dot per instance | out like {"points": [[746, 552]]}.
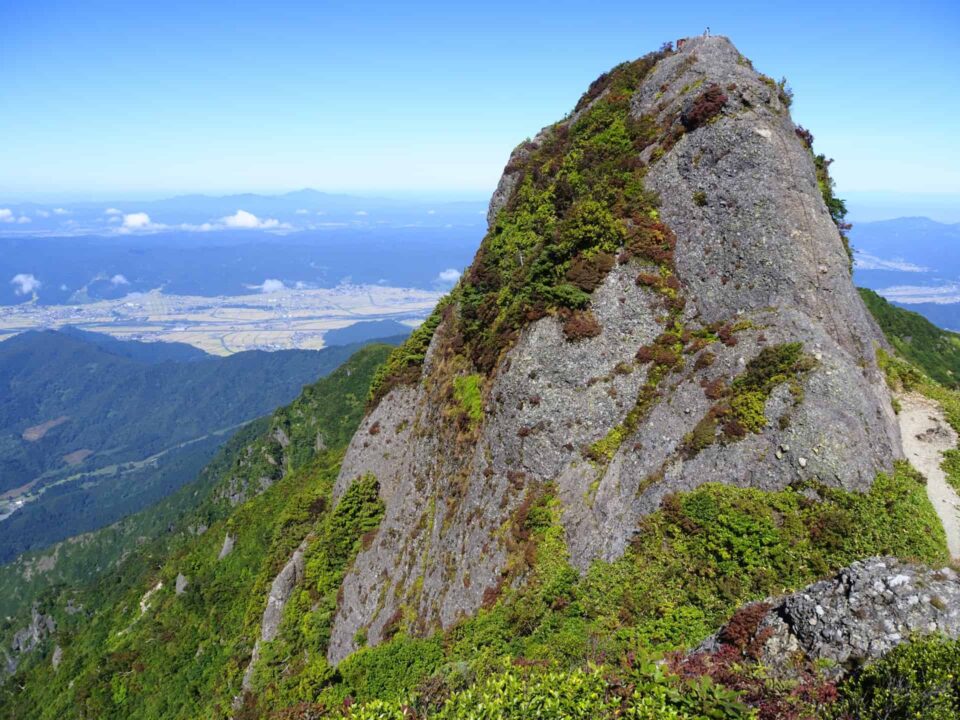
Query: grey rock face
{"points": [[280, 591], [28, 638], [762, 253], [865, 611], [180, 587], [228, 543]]}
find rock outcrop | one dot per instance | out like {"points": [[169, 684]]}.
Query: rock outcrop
{"points": [[280, 591], [228, 542], [27, 639], [595, 411], [853, 618]]}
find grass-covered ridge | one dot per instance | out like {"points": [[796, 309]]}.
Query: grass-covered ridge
{"points": [[933, 350]]}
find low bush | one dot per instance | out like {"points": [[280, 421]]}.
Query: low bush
{"points": [[920, 679], [706, 107], [581, 325]]}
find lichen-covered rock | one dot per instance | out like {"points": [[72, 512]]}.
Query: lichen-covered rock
{"points": [[227, 548], [280, 591], [619, 418], [855, 617], [28, 638]]}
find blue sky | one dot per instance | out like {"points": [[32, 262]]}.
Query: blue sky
{"points": [[114, 99]]}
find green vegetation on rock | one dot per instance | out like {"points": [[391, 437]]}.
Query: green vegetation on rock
{"points": [[835, 206], [578, 201], [919, 679], [691, 565]]}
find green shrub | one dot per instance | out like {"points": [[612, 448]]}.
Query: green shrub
{"points": [[920, 679], [404, 363], [517, 692], [692, 563], [468, 391]]}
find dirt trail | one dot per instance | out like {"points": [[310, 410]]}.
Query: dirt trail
{"points": [[926, 434]]}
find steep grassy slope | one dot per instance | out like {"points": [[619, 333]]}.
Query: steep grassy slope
{"points": [[933, 350]]}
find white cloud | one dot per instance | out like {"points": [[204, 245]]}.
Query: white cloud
{"points": [[249, 221], [449, 276], [136, 221], [115, 219], [866, 261], [7, 216], [112, 211], [301, 211], [119, 279], [25, 283], [270, 285], [945, 294], [431, 212], [361, 213], [42, 213], [60, 211]]}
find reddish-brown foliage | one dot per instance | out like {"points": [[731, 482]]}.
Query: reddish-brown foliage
{"points": [[715, 389], [725, 333], [704, 108], [580, 325], [588, 273], [734, 665], [650, 239]]}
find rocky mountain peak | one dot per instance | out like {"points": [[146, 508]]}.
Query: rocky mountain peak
{"points": [[662, 300]]}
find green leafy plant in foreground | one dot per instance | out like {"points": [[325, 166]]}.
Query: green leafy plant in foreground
{"points": [[919, 679]]}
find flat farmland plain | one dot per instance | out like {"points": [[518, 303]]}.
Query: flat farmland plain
{"points": [[222, 325]]}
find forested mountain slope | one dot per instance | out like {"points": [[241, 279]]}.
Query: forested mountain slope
{"points": [[935, 351], [93, 429], [263, 480]]}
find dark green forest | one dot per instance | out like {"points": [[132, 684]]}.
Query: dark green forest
{"points": [[147, 417]]}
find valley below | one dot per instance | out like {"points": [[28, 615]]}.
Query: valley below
{"points": [[222, 325]]}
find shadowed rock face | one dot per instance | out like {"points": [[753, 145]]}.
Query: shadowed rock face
{"points": [[756, 249]]}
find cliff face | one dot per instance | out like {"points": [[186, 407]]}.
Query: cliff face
{"points": [[712, 334]]}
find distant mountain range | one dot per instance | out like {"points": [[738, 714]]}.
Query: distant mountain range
{"points": [[303, 209], [92, 428]]}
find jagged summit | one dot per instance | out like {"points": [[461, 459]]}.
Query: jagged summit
{"points": [[662, 300]]}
